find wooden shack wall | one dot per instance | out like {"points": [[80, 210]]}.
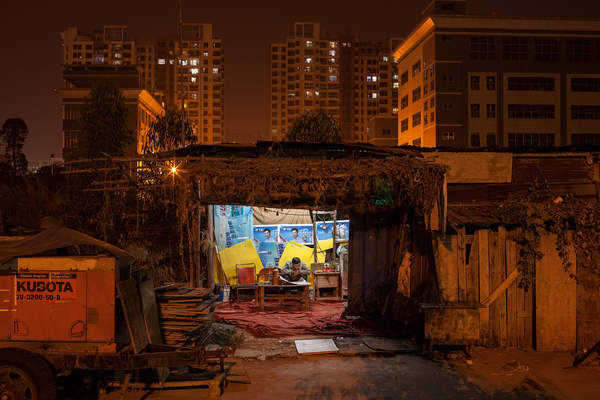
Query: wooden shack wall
{"points": [[373, 239], [558, 313], [470, 267], [588, 304]]}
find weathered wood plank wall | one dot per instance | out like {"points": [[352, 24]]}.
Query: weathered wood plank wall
{"points": [[555, 300], [471, 278], [372, 243], [588, 304]]}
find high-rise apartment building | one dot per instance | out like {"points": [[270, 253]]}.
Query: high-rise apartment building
{"points": [[188, 74], [471, 81], [373, 81], [351, 80], [192, 73], [111, 45]]}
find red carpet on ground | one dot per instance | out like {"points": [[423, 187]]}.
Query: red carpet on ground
{"points": [[324, 318]]}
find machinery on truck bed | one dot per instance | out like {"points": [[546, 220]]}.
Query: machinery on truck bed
{"points": [[60, 313]]}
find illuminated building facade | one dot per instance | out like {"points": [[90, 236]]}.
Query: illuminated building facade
{"points": [[352, 81], [142, 107], [193, 74], [474, 81], [189, 74]]}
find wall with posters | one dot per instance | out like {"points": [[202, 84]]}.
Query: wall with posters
{"points": [[325, 230], [265, 241], [299, 233], [233, 225]]}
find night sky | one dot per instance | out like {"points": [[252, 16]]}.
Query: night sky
{"points": [[30, 50]]}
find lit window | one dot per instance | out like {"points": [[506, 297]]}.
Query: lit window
{"points": [[369, 78], [395, 85], [332, 53], [332, 60], [309, 43], [395, 77], [117, 62], [317, 93], [308, 93], [161, 61], [373, 95], [215, 70], [195, 96], [171, 62], [194, 61], [184, 62], [332, 78], [374, 79], [194, 71], [308, 60], [332, 44], [384, 59], [193, 79], [117, 55]]}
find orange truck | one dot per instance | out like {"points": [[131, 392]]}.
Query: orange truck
{"points": [[61, 313]]}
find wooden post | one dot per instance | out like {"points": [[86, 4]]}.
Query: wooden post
{"points": [[334, 234], [312, 218], [484, 284], [211, 251], [460, 262]]}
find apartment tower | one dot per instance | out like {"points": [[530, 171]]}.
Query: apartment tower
{"points": [[352, 81], [189, 74]]}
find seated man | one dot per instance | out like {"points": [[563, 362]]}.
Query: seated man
{"points": [[294, 270]]}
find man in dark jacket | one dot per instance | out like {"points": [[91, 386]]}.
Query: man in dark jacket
{"points": [[294, 269]]}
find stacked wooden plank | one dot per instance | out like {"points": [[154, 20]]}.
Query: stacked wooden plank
{"points": [[183, 311]]}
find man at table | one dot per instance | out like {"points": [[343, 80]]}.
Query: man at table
{"points": [[294, 269]]}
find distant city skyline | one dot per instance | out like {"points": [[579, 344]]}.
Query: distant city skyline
{"points": [[32, 53]]}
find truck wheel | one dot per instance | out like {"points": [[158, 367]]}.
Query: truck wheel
{"points": [[25, 376]]}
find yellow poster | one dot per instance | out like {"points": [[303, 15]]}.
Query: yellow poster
{"points": [[241, 253], [323, 245], [293, 249]]}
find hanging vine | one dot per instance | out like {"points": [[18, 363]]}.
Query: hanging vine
{"points": [[575, 222]]}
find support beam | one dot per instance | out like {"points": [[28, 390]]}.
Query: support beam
{"points": [[500, 289]]}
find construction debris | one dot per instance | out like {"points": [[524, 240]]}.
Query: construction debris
{"points": [[183, 312]]}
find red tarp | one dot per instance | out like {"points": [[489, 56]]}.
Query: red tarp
{"points": [[324, 318]]}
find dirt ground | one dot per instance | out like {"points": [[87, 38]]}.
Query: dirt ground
{"points": [[335, 377], [276, 371], [545, 375]]}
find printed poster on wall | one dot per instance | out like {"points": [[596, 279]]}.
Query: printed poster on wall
{"points": [[233, 225], [298, 233], [265, 241], [325, 230], [266, 233], [268, 253]]}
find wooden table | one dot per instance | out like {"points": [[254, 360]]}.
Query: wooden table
{"points": [[325, 280], [282, 293]]}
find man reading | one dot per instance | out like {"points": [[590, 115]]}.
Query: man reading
{"points": [[294, 269]]}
